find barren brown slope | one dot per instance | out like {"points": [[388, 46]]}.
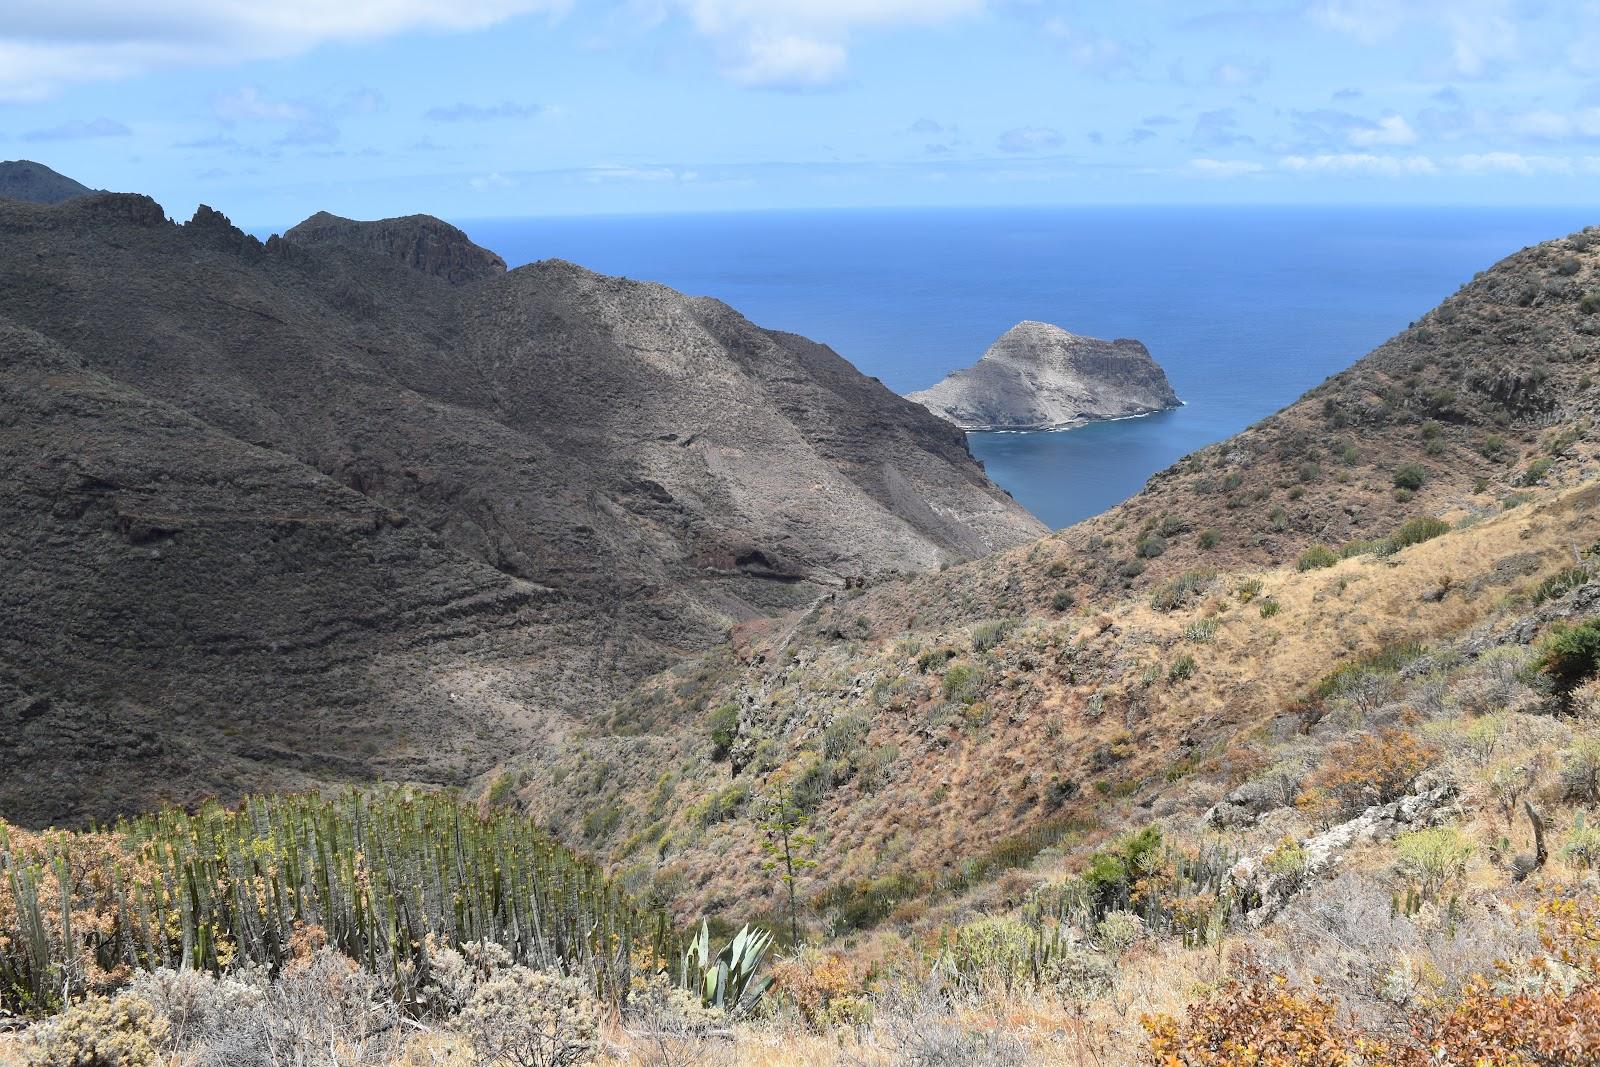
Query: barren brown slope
{"points": [[658, 465], [977, 702], [186, 614]]}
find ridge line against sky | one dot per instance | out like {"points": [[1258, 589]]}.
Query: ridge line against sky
{"points": [[500, 108]]}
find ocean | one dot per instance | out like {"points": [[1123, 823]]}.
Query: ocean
{"points": [[1246, 308]]}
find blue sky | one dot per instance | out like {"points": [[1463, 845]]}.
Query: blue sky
{"points": [[270, 109]]}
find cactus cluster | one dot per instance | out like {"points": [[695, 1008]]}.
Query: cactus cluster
{"points": [[377, 871]]}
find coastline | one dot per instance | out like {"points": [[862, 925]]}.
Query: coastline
{"points": [[1078, 425]]}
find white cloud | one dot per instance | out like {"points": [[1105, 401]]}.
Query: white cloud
{"points": [[798, 44], [1481, 35], [1389, 130], [1223, 168], [493, 180], [250, 104], [1030, 139], [1543, 124], [789, 62], [1239, 74], [1360, 163], [466, 112], [79, 130], [612, 173], [1518, 163], [1092, 51], [48, 44]]}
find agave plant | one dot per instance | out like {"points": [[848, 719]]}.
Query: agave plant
{"points": [[728, 980]]}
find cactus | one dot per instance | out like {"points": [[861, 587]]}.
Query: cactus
{"points": [[378, 872]]}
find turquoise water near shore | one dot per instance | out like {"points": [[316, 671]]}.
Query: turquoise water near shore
{"points": [[1246, 308]]}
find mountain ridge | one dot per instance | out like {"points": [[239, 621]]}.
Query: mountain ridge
{"points": [[639, 469]]}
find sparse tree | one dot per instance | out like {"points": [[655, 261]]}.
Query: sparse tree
{"points": [[787, 845]]}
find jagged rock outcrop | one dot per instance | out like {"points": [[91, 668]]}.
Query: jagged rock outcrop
{"points": [[1040, 377], [423, 242], [369, 524], [23, 179], [1271, 888]]}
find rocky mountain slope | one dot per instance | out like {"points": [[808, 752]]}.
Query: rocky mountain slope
{"points": [[504, 496], [931, 721], [1040, 377], [23, 179]]}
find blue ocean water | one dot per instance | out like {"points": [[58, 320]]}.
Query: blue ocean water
{"points": [[1246, 308]]}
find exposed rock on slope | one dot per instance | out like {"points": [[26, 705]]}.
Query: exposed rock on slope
{"points": [[546, 483], [23, 179], [1040, 377], [421, 241]]}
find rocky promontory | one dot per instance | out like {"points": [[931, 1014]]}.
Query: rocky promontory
{"points": [[1040, 377]]}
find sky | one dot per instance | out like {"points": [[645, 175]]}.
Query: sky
{"points": [[271, 109]]}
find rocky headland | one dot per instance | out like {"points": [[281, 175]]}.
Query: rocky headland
{"points": [[1040, 377]]}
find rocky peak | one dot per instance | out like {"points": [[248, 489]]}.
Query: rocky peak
{"points": [[1037, 376], [421, 242], [23, 179]]}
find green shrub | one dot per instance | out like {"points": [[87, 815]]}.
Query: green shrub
{"points": [[1150, 546], [1182, 668], [1270, 607], [988, 634], [723, 727], [1434, 857], [1571, 654], [1411, 477], [1208, 539], [843, 737], [1561, 583], [1174, 593], [1385, 661], [1493, 447], [1062, 600], [1417, 530], [1590, 304], [532, 1019], [1535, 472], [962, 683], [1131, 569], [122, 1032], [1316, 557], [1582, 846], [1115, 872]]}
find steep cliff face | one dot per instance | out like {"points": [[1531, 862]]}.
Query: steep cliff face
{"points": [[552, 483], [1040, 377]]}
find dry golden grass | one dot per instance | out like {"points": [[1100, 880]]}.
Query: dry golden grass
{"points": [[1089, 699]]}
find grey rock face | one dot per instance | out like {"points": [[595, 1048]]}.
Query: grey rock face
{"points": [[23, 179], [308, 511], [1040, 377]]}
